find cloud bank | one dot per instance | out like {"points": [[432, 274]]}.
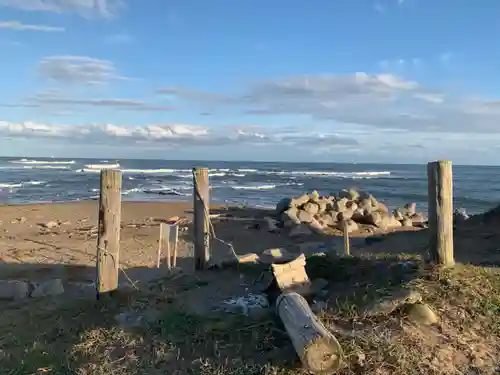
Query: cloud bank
{"points": [[16, 25], [382, 101], [85, 8]]}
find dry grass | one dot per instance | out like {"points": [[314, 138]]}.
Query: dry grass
{"points": [[82, 338]]}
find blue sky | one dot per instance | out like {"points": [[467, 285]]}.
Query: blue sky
{"points": [[360, 80]]}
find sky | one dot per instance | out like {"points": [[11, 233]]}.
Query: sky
{"points": [[385, 81]]}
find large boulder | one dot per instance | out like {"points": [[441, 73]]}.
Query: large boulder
{"points": [[351, 225], [340, 205], [398, 214], [311, 208], [283, 205], [381, 208], [290, 217], [411, 209], [418, 218], [304, 217], [350, 194], [300, 201], [314, 196]]}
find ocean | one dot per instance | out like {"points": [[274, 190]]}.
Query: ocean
{"points": [[256, 184]]}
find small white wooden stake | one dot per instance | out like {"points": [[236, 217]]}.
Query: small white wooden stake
{"points": [[347, 249], [164, 243], [174, 234]]}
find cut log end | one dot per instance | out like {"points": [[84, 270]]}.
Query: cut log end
{"points": [[322, 355]]}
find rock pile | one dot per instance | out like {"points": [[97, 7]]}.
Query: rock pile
{"points": [[317, 213]]}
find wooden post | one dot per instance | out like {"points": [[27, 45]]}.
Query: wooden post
{"points": [[201, 210], [318, 350], [440, 180], [347, 249], [175, 240], [108, 236]]}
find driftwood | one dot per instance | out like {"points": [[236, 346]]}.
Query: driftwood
{"points": [[317, 348], [292, 276]]}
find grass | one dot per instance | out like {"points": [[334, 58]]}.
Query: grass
{"points": [[82, 337]]}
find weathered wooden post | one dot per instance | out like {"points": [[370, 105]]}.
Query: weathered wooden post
{"points": [[201, 218], [108, 236], [440, 180]]}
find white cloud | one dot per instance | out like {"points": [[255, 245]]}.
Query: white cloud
{"points": [[85, 8], [78, 70], [381, 101], [168, 134], [16, 25]]}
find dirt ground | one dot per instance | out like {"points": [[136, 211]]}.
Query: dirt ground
{"points": [[72, 335]]}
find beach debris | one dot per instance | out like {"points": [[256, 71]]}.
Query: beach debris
{"points": [[47, 288], [277, 255], [14, 289], [318, 213], [19, 220], [245, 305]]}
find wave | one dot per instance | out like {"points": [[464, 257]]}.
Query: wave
{"points": [[102, 166], [43, 162], [46, 167], [9, 185], [253, 187]]}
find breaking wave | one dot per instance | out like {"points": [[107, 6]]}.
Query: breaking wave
{"points": [[42, 162]]}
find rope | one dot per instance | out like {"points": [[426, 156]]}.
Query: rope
{"points": [[207, 217], [104, 251]]}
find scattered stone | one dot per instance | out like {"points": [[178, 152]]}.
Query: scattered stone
{"points": [[421, 313], [47, 288], [398, 215], [13, 289], [300, 230], [340, 205], [50, 224], [390, 303], [247, 305]]}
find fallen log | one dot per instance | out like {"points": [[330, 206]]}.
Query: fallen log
{"points": [[318, 350]]}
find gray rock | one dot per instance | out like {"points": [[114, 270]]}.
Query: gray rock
{"points": [[421, 313], [340, 205], [289, 217], [299, 201], [50, 224], [411, 208], [300, 230], [390, 303], [314, 196], [374, 218], [365, 205], [398, 214], [47, 288], [13, 289], [283, 205], [407, 222], [418, 218], [352, 226], [311, 208], [328, 220], [388, 222], [305, 217], [346, 214], [350, 194]]}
